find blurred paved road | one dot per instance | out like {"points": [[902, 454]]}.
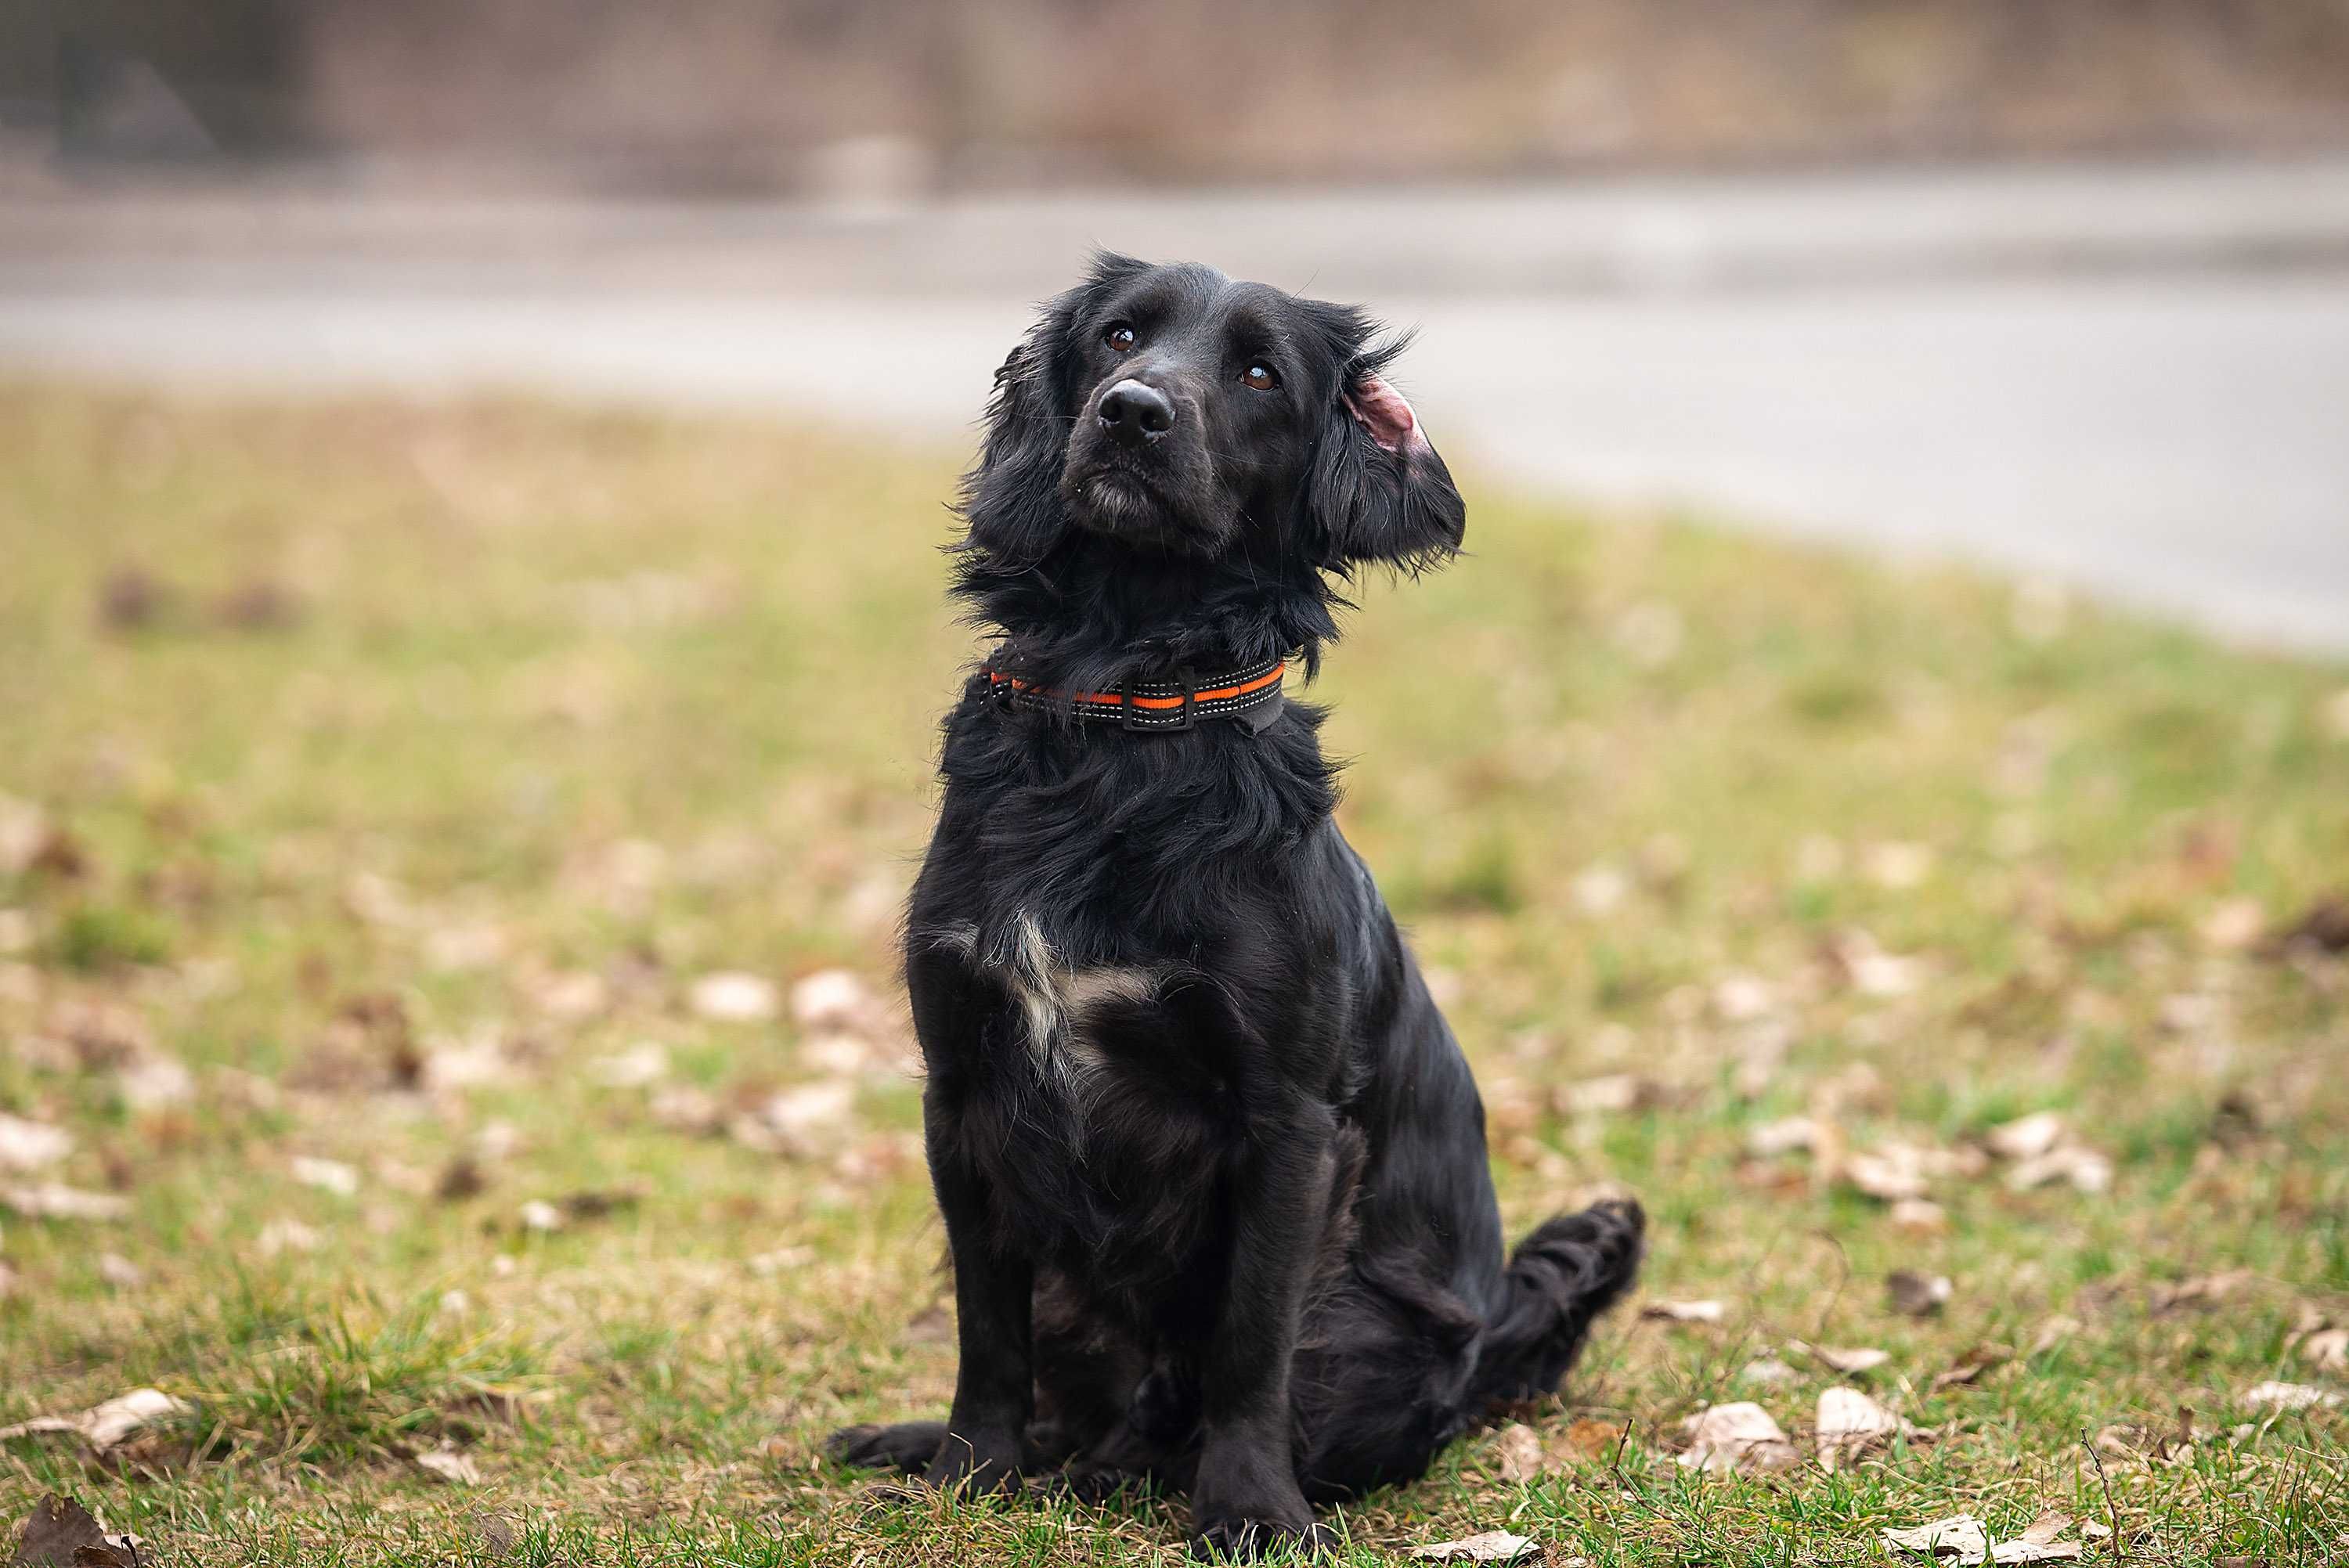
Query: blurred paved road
{"points": [[2136, 382]]}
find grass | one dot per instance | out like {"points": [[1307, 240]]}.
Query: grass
{"points": [[394, 768]]}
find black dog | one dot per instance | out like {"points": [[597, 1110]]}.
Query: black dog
{"points": [[1212, 1167]]}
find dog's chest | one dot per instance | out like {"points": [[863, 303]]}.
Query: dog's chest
{"points": [[1059, 1006]]}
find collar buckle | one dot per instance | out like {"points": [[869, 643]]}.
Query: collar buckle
{"points": [[1131, 716]]}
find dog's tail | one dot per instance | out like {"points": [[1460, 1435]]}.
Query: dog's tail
{"points": [[1571, 1268]]}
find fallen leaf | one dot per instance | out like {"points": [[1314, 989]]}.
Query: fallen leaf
{"points": [[327, 1175], [107, 1424], [450, 1465], [51, 1200], [1597, 889], [1615, 1094], [61, 1533], [28, 1146], [156, 1083], [1914, 1294], [451, 1065], [2026, 1137], [460, 1179], [1685, 1310], [731, 997], [2037, 1543], [572, 994], [640, 1066], [2233, 923], [120, 1272], [1849, 1421], [801, 1122], [1898, 866], [2046, 1528], [832, 999], [2272, 1395], [2054, 1332], [1920, 1216], [288, 1236], [1768, 1371], [2327, 1349], [1737, 1439], [1969, 1367], [1961, 1538], [1518, 1448], [1589, 1439], [1492, 1546], [1884, 1177], [682, 1108], [2200, 1291], [596, 1202], [2084, 1169], [1844, 1360], [1785, 1136]]}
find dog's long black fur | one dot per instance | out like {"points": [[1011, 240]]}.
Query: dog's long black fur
{"points": [[1211, 1164]]}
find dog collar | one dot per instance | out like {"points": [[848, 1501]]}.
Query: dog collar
{"points": [[1252, 693]]}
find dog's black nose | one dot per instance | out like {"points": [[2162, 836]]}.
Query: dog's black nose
{"points": [[1136, 412]]}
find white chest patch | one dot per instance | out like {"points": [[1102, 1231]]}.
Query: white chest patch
{"points": [[1056, 1001]]}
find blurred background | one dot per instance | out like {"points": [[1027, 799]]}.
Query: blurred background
{"points": [[2062, 286], [471, 638]]}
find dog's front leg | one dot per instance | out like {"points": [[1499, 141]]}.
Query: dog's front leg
{"points": [[994, 1295], [1246, 1498], [994, 1383]]}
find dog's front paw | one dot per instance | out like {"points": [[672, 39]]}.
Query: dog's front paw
{"points": [[1238, 1538], [977, 1465]]}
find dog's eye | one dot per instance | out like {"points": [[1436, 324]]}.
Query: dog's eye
{"points": [[1120, 337], [1259, 378]]}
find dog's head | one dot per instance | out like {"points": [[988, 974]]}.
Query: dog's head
{"points": [[1173, 409]]}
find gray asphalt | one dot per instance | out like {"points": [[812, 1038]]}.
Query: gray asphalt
{"points": [[2137, 384]]}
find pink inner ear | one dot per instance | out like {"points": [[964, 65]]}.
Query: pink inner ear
{"points": [[1384, 412]]}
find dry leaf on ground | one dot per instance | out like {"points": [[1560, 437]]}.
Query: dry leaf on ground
{"points": [[61, 1533], [2275, 1396], [2026, 1137], [1844, 1359], [107, 1425], [450, 1465], [2037, 1543], [1685, 1310], [2084, 1169], [1518, 1449], [53, 1200], [327, 1175], [289, 1237], [1492, 1546], [800, 1122], [731, 997], [1767, 1371], [1737, 1439], [1850, 1421], [2201, 1291], [642, 1065], [1785, 1136], [1961, 1538], [28, 1146], [2327, 1349], [156, 1083], [1914, 1294]]}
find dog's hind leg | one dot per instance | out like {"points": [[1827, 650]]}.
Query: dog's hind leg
{"points": [[906, 1447]]}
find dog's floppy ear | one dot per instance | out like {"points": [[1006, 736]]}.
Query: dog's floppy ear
{"points": [[1380, 492], [1011, 499]]}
